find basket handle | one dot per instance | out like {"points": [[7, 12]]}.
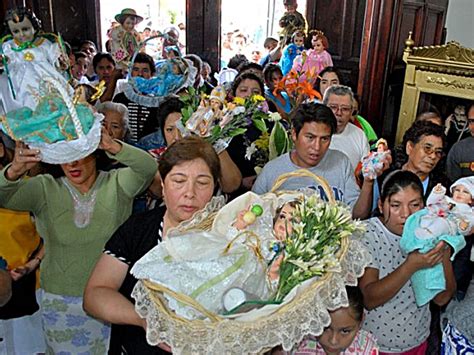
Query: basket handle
{"points": [[305, 173], [181, 298]]}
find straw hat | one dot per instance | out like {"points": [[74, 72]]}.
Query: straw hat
{"points": [[128, 12]]}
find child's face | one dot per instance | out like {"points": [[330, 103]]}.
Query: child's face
{"points": [[216, 105], [129, 24], [283, 226], [298, 41], [317, 45], [340, 334], [22, 31], [461, 194]]}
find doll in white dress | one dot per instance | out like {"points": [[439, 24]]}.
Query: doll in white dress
{"points": [[27, 56]]}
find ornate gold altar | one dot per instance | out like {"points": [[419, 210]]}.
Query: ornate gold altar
{"points": [[446, 70]]}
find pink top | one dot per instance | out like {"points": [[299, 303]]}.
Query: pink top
{"points": [[363, 344], [320, 61]]}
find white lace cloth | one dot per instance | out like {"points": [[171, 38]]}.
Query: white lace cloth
{"points": [[304, 311]]}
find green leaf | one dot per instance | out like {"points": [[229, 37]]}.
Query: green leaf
{"points": [[237, 131], [260, 124], [279, 141], [216, 130]]}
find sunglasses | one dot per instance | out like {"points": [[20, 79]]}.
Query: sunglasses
{"points": [[428, 149]]}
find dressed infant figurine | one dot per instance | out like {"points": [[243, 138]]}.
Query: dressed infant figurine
{"points": [[373, 163], [315, 59], [234, 254], [444, 219], [291, 51], [125, 39], [27, 56]]}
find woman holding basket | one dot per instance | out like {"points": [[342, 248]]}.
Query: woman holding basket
{"points": [[190, 172]]}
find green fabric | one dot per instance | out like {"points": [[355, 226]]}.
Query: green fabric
{"points": [[71, 252], [50, 122], [368, 130]]}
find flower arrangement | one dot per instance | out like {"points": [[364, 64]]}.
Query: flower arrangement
{"points": [[299, 85], [310, 249], [269, 145], [200, 117]]}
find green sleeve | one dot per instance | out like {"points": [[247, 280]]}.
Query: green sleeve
{"points": [[140, 170], [24, 194]]}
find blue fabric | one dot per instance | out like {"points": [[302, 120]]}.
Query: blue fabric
{"points": [[168, 79], [287, 107], [427, 283], [288, 56], [455, 343], [153, 140]]}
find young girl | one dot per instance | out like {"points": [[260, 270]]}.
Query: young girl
{"points": [[125, 39], [444, 218], [400, 326], [317, 57], [26, 59], [291, 51], [344, 335]]}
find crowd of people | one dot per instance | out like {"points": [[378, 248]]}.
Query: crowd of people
{"points": [[81, 225]]}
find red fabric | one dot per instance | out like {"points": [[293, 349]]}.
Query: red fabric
{"points": [[419, 350]]}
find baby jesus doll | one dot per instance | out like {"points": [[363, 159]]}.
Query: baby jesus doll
{"points": [[125, 39], [26, 57], [234, 254], [444, 219]]}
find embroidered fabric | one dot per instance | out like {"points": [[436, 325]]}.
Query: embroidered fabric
{"points": [[304, 311], [83, 204]]}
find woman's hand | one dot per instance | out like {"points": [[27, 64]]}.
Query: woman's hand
{"points": [[108, 144], [417, 260], [23, 160], [20, 271]]}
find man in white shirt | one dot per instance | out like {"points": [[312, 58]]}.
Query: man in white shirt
{"points": [[348, 138]]}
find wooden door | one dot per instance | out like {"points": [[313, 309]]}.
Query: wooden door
{"points": [[382, 72]]}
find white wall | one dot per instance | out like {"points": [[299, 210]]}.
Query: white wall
{"points": [[460, 22]]}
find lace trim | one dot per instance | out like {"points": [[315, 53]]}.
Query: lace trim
{"points": [[83, 204], [306, 314]]}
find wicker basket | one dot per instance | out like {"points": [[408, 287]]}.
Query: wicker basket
{"points": [[304, 311]]}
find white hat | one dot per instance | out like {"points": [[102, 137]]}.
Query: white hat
{"points": [[467, 182]]}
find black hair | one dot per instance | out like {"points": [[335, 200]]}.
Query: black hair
{"points": [[18, 14], [102, 55], [170, 105], [356, 301], [78, 55], [317, 84], [397, 181], [268, 71], [87, 41], [248, 74], [420, 129], [249, 66], [236, 61], [147, 59], [197, 61], [313, 112]]}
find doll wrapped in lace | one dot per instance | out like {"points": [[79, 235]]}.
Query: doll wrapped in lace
{"points": [[235, 261]]}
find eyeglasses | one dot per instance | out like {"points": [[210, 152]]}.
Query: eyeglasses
{"points": [[428, 149], [343, 109]]}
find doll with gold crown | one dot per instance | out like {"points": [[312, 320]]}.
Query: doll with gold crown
{"points": [[27, 55]]}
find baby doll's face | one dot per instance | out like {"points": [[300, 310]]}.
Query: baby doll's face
{"points": [[216, 105], [462, 195], [317, 45], [129, 24], [298, 41], [283, 226], [22, 31]]}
